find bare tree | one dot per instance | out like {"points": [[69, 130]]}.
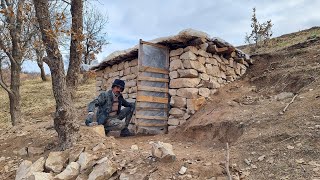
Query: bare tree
{"points": [[65, 116], [16, 27], [39, 50], [260, 32], [95, 37]]}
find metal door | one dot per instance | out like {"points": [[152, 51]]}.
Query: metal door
{"points": [[152, 88]]}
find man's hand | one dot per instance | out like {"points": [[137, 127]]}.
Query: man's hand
{"points": [[90, 113]]}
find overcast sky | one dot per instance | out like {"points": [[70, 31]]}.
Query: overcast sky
{"points": [[131, 20]]}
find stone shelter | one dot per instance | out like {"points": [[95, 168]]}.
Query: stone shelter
{"points": [[170, 78]]}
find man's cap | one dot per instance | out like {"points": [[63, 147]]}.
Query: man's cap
{"points": [[118, 82]]}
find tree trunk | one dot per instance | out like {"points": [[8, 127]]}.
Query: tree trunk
{"points": [[65, 116], [42, 72], [14, 95], [75, 44]]}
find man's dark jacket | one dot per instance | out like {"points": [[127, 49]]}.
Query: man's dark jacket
{"points": [[104, 103]]}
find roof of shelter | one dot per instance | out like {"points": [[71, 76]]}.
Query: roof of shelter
{"points": [[183, 39]]}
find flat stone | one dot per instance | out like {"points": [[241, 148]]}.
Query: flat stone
{"points": [[176, 52], [212, 70], [98, 147], [179, 102], [176, 64], [173, 121], [184, 82], [23, 169], [133, 63], [163, 151], [202, 60], [40, 176], [192, 49], [182, 170], [188, 73], [188, 92], [75, 153], [71, 172], [173, 74], [204, 76], [172, 92], [212, 61], [176, 112], [189, 64], [56, 161], [205, 92], [204, 46], [102, 170], [188, 56], [203, 53], [86, 160]]}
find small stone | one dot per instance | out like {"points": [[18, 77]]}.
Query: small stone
{"points": [[86, 160], [163, 151], [134, 147], [99, 147], [188, 56], [183, 170], [253, 166], [103, 170], [290, 147], [261, 158], [300, 161], [270, 160], [248, 162], [208, 164], [23, 151]]}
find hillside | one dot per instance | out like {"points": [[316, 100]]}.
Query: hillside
{"points": [[265, 141]]}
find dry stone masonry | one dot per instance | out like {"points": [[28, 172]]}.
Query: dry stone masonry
{"points": [[199, 66]]}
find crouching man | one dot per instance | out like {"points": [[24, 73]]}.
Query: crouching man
{"points": [[109, 111]]}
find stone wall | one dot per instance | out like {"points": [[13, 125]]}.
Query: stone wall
{"points": [[195, 74]]}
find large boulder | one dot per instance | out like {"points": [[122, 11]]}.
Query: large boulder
{"points": [[103, 170], [71, 172], [163, 151], [184, 82], [56, 161]]}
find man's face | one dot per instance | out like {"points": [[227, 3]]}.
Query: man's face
{"points": [[116, 90]]}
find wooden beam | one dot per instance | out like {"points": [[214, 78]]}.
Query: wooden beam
{"points": [[151, 109], [153, 89], [197, 41], [151, 125], [144, 78], [152, 99], [153, 44], [163, 118], [153, 69]]}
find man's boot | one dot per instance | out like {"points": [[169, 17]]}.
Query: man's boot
{"points": [[125, 132]]}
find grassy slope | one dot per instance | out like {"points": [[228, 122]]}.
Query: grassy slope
{"points": [[38, 102], [284, 41]]}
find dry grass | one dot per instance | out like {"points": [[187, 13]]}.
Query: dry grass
{"points": [[38, 102]]}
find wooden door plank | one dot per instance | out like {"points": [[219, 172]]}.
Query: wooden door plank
{"points": [[153, 89], [144, 78], [163, 118], [152, 99], [153, 70]]}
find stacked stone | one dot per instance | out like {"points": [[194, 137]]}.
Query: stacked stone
{"points": [[126, 71], [195, 74]]}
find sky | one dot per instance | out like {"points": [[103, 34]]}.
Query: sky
{"points": [[131, 20]]}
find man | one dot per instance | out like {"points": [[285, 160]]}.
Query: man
{"points": [[109, 111]]}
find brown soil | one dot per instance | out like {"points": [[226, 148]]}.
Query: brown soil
{"points": [[244, 114]]}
